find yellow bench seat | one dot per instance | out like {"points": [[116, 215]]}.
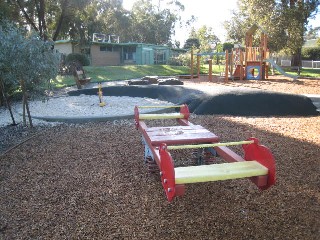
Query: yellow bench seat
{"points": [[160, 116], [217, 172]]}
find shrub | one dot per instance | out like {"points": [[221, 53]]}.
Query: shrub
{"points": [[78, 57], [311, 53]]}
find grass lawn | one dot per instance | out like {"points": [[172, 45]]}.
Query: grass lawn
{"points": [[112, 73]]}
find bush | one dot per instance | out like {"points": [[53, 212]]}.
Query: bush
{"points": [[78, 57], [311, 53]]}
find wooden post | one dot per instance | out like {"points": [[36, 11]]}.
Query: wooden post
{"points": [[210, 69], [231, 64], [198, 66], [241, 65], [261, 65], [191, 70], [226, 73]]}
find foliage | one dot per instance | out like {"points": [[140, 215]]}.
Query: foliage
{"points": [[154, 25], [227, 46], [208, 40], [203, 39], [78, 57], [311, 53], [284, 21], [79, 19], [26, 61], [192, 42], [313, 33]]}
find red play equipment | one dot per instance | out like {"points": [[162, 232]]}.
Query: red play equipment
{"points": [[257, 164]]}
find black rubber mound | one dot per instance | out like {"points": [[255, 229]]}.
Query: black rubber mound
{"points": [[256, 104], [175, 94], [238, 103]]}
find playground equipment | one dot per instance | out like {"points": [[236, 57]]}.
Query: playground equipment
{"points": [[280, 70], [100, 94], [257, 164], [249, 62]]}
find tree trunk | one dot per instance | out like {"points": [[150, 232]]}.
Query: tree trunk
{"points": [[7, 103], [24, 109], [296, 60], [61, 19], [28, 18], [25, 105], [28, 111], [1, 96]]}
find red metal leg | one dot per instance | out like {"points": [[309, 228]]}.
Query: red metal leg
{"points": [[264, 156], [185, 111], [136, 116], [167, 172]]}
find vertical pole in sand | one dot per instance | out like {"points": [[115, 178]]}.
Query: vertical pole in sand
{"points": [[210, 69], [226, 75]]}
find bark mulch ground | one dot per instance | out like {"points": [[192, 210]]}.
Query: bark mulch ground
{"points": [[89, 181]]}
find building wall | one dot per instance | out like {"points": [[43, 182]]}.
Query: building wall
{"points": [[136, 53], [65, 48], [104, 58]]}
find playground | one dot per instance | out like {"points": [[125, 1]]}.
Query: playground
{"points": [[97, 185]]}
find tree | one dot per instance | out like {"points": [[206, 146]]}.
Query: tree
{"points": [[48, 18], [191, 42], [208, 40], [79, 19], [204, 39], [153, 24], [298, 12], [313, 33], [26, 62], [285, 22]]}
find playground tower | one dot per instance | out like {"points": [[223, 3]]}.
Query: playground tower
{"points": [[249, 63]]}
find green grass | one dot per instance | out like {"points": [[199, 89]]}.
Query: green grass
{"points": [[305, 72], [112, 73]]}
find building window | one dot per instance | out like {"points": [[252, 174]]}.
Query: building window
{"points": [[129, 53], [105, 49], [160, 57]]}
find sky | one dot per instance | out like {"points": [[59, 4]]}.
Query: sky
{"points": [[209, 13]]}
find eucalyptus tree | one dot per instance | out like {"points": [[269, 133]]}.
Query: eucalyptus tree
{"points": [[207, 38], [154, 24], [51, 19], [284, 21], [296, 15], [110, 18], [192, 42]]}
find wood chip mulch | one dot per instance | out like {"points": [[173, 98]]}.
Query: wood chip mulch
{"points": [[89, 181]]}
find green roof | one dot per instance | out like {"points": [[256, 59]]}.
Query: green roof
{"points": [[65, 41]]}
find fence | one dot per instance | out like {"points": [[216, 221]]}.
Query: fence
{"points": [[310, 64]]}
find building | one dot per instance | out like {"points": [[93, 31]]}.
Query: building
{"points": [[67, 46], [106, 50], [106, 54]]}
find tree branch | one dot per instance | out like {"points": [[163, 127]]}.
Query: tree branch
{"points": [[62, 16], [29, 20]]}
